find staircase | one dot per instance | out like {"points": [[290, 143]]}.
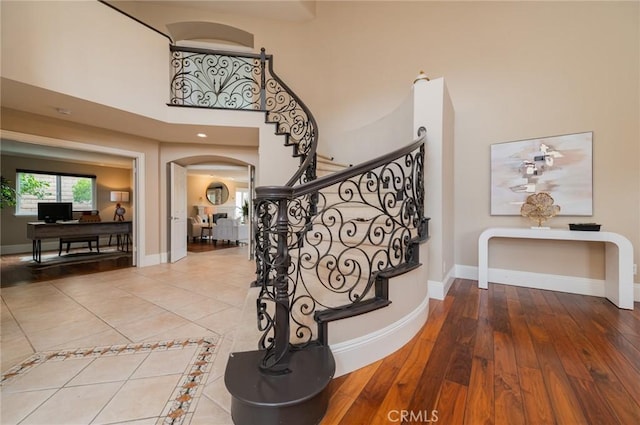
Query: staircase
{"points": [[327, 242], [247, 335], [326, 165]]}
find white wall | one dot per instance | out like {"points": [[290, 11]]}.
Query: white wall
{"points": [[433, 110]]}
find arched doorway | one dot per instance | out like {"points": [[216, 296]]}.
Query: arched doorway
{"points": [[214, 188]]}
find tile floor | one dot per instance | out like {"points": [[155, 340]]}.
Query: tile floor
{"points": [[130, 346]]}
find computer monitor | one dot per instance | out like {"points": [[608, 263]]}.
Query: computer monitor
{"points": [[50, 212]]}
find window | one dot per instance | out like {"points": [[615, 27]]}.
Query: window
{"points": [[35, 186], [242, 196]]}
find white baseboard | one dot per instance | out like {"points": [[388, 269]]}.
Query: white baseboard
{"points": [[552, 282], [152, 260], [439, 290], [466, 272], [436, 290], [359, 352]]}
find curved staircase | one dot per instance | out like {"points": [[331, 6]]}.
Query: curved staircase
{"points": [[327, 242]]}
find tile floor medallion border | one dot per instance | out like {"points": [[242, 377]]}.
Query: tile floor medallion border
{"points": [[184, 397]]}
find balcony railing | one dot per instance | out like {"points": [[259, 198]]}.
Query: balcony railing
{"points": [[331, 263], [324, 248], [244, 81]]}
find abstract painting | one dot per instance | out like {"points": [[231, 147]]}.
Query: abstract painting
{"points": [[559, 165]]}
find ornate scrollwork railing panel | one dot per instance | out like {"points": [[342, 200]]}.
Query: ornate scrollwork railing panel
{"points": [[365, 221], [215, 80], [284, 110], [320, 244], [225, 80]]}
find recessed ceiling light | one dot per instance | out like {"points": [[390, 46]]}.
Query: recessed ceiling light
{"points": [[63, 111], [201, 135]]}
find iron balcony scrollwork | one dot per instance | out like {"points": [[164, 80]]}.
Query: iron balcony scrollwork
{"points": [[225, 80], [211, 80], [313, 251], [366, 222]]}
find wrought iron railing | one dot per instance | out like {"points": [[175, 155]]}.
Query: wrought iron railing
{"points": [[332, 262], [245, 81], [326, 247]]}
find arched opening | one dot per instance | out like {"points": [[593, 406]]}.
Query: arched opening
{"points": [[216, 187], [211, 35]]}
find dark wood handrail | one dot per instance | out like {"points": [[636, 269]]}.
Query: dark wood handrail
{"points": [[323, 182], [117, 9], [326, 181], [310, 156], [175, 48]]}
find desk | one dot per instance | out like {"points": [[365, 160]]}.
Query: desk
{"points": [[36, 231], [618, 257]]}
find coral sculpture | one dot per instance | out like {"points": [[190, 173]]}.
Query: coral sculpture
{"points": [[539, 208]]}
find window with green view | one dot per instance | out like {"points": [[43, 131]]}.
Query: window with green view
{"points": [[34, 186]]}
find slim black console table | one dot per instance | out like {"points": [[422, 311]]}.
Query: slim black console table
{"points": [[36, 231]]}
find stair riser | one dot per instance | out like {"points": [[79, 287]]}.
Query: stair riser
{"points": [[299, 400], [329, 166]]}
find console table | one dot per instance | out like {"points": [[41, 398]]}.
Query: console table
{"points": [[618, 257], [36, 231]]}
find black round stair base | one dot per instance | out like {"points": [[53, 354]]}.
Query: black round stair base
{"points": [[295, 398]]}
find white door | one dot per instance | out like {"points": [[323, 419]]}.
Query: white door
{"points": [[178, 213]]}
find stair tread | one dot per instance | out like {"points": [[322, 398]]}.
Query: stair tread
{"points": [[294, 388], [353, 310]]}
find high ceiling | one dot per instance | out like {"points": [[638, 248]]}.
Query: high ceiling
{"points": [[288, 10], [38, 101]]}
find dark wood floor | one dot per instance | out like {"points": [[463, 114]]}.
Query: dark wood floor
{"points": [[506, 355], [18, 269], [205, 245]]}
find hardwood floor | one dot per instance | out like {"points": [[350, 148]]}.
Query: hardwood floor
{"points": [[507, 355], [18, 269]]}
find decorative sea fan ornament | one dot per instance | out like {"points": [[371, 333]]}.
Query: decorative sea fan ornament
{"points": [[539, 208]]}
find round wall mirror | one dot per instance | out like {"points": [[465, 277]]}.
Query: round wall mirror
{"points": [[217, 193]]}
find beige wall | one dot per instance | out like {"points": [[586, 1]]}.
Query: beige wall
{"points": [[514, 70], [97, 139], [156, 155], [87, 45], [197, 188]]}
